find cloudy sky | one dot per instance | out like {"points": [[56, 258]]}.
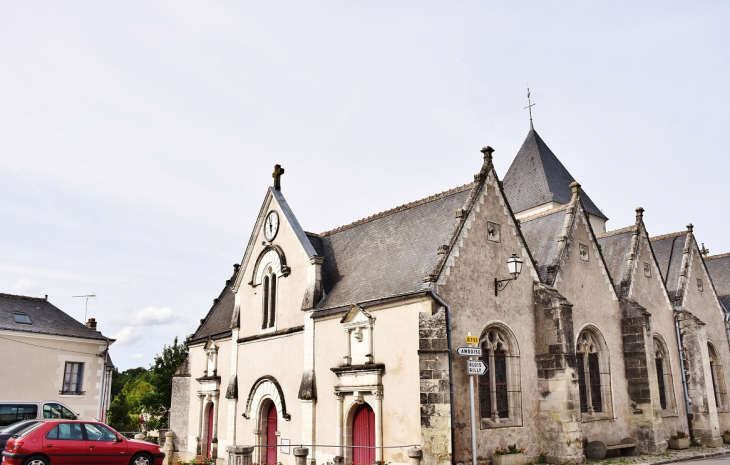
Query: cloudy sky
{"points": [[137, 138]]}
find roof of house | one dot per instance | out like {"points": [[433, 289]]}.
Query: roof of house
{"points": [[719, 268], [615, 245], [389, 253], [668, 250], [217, 323], [541, 234], [537, 177], [45, 318]]}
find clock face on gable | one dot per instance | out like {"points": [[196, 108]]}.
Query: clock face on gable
{"points": [[271, 225]]}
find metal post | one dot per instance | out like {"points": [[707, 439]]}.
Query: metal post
{"points": [[473, 420]]}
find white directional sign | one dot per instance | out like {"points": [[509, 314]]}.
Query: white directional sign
{"points": [[476, 367], [469, 351]]}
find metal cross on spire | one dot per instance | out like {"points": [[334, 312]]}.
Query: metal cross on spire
{"points": [[278, 171], [529, 106]]}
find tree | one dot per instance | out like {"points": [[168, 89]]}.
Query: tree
{"points": [[157, 401], [120, 379]]}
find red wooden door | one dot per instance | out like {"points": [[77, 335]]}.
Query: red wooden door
{"points": [[271, 426], [210, 429], [363, 435]]}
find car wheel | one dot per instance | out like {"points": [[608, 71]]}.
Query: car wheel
{"points": [[141, 459], [37, 460]]}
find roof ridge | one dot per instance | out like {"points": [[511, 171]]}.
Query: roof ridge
{"points": [[545, 213], [667, 236], [714, 257], [616, 231], [23, 297], [400, 208]]}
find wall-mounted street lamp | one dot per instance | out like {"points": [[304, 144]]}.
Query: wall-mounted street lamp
{"points": [[514, 264]]}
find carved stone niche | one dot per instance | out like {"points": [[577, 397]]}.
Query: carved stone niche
{"points": [[211, 358], [359, 326]]}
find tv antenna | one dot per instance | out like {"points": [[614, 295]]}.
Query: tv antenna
{"points": [[87, 297]]}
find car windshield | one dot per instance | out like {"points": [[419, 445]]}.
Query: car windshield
{"points": [[12, 429], [28, 429]]}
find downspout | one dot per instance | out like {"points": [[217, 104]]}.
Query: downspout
{"points": [[684, 374], [447, 309], [726, 319], [100, 416]]}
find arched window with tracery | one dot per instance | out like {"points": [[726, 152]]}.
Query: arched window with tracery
{"points": [[664, 375], [594, 376], [718, 379], [268, 311], [500, 400]]}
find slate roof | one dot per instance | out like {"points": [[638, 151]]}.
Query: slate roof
{"points": [[541, 234], [46, 318], [537, 177], [217, 323], [668, 250], [615, 245], [389, 253], [719, 268]]}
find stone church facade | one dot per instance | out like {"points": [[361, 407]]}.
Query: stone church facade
{"points": [[345, 341]]}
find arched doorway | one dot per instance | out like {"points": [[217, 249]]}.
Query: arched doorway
{"points": [[270, 425], [363, 436], [209, 437]]}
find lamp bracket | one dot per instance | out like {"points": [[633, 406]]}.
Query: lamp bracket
{"points": [[500, 285]]}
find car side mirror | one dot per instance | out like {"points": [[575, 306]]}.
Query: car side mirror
{"points": [[119, 439]]}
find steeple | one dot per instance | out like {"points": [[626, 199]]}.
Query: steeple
{"points": [[537, 178]]}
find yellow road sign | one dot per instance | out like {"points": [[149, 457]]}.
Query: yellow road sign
{"points": [[472, 340]]}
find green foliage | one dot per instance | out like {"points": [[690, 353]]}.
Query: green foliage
{"points": [[542, 459], [157, 401], [513, 449], [119, 380], [138, 390]]}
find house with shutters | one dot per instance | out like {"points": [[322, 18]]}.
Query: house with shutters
{"points": [[58, 360], [346, 341]]}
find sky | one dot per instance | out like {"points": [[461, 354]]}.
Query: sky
{"points": [[138, 138]]}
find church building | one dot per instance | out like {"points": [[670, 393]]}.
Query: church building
{"points": [[345, 342]]}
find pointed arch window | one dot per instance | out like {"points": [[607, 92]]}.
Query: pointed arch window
{"points": [[718, 378], [268, 311], [500, 399], [594, 376]]}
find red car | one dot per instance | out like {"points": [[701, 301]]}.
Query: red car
{"points": [[58, 442]]}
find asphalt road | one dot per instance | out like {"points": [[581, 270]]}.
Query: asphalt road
{"points": [[724, 460]]}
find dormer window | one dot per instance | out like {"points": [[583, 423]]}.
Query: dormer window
{"points": [[22, 318], [268, 311]]}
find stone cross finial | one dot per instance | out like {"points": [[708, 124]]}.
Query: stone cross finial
{"points": [[487, 151], [278, 171], [690, 227], [639, 213]]}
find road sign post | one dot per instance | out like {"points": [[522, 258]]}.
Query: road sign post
{"points": [[470, 351]]}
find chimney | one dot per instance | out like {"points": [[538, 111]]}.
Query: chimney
{"points": [[91, 324]]}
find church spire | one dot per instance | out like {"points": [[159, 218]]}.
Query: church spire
{"points": [[529, 107]]}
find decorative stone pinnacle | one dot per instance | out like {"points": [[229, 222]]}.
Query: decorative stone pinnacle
{"points": [[278, 171], [443, 249], [705, 252], [639, 213], [575, 187], [690, 227], [487, 151]]}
